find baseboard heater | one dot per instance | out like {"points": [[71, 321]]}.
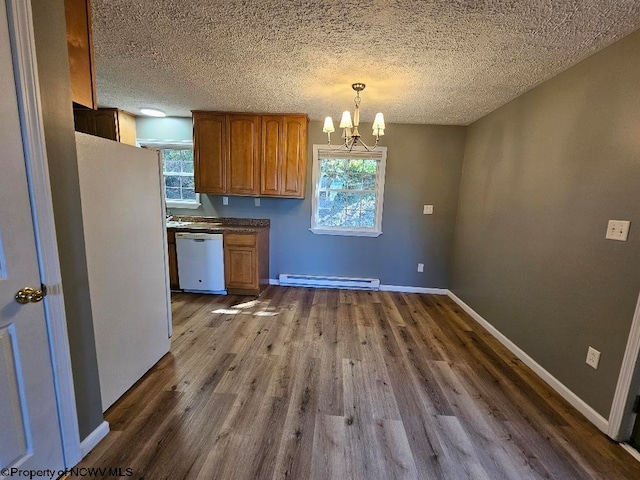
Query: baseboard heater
{"points": [[316, 281]]}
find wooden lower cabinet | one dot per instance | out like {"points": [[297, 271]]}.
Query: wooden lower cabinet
{"points": [[241, 263], [174, 282], [246, 262]]}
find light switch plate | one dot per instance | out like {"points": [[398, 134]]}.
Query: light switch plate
{"points": [[225, 200], [618, 230], [256, 201], [427, 210], [421, 267]]}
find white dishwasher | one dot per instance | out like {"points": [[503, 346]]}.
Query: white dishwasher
{"points": [[200, 262]]}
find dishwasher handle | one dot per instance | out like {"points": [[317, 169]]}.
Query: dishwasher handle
{"points": [[198, 237]]}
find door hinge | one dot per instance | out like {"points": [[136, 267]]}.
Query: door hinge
{"points": [[636, 405]]}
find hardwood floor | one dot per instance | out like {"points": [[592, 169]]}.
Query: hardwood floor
{"points": [[337, 384]]}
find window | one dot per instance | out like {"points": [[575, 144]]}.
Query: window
{"points": [[177, 168], [348, 191]]}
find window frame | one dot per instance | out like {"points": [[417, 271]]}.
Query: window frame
{"points": [[173, 145], [323, 151]]}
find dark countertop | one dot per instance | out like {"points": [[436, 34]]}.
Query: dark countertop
{"points": [[217, 224]]}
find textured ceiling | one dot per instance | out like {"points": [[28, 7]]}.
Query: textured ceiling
{"points": [[437, 61]]}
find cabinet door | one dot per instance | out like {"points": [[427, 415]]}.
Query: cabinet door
{"points": [[294, 156], [83, 121], [243, 166], [80, 46], [271, 161], [209, 152], [106, 124], [240, 267], [126, 128]]}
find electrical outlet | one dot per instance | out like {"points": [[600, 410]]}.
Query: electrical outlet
{"points": [[225, 200], [618, 230], [421, 267], [427, 210], [256, 202], [593, 357]]}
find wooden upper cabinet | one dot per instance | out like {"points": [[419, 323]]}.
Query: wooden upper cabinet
{"points": [[294, 151], [126, 128], [271, 161], [284, 155], [80, 45], [210, 152], [243, 165], [108, 123], [84, 121], [264, 155]]}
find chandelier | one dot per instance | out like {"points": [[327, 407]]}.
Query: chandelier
{"points": [[350, 134]]}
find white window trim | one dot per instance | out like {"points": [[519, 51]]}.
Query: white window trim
{"points": [[380, 153], [175, 144]]}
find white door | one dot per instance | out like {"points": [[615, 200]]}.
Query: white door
{"points": [[30, 436]]}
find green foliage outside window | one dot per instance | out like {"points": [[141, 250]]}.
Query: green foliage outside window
{"points": [[347, 192], [177, 166]]}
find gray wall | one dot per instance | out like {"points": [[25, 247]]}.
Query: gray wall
{"points": [[423, 167], [542, 176], [53, 70]]}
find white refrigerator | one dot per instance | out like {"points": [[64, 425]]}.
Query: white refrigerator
{"points": [[126, 245]]}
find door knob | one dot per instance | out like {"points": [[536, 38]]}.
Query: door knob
{"points": [[29, 294]]}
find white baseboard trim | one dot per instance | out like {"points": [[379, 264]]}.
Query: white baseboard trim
{"points": [[594, 417], [274, 281], [406, 289], [631, 451], [94, 438]]}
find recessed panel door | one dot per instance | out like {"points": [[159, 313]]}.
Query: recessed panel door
{"points": [[294, 153], [29, 429], [243, 168], [209, 150]]}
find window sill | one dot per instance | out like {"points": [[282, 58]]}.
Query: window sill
{"points": [[345, 232], [189, 205]]}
